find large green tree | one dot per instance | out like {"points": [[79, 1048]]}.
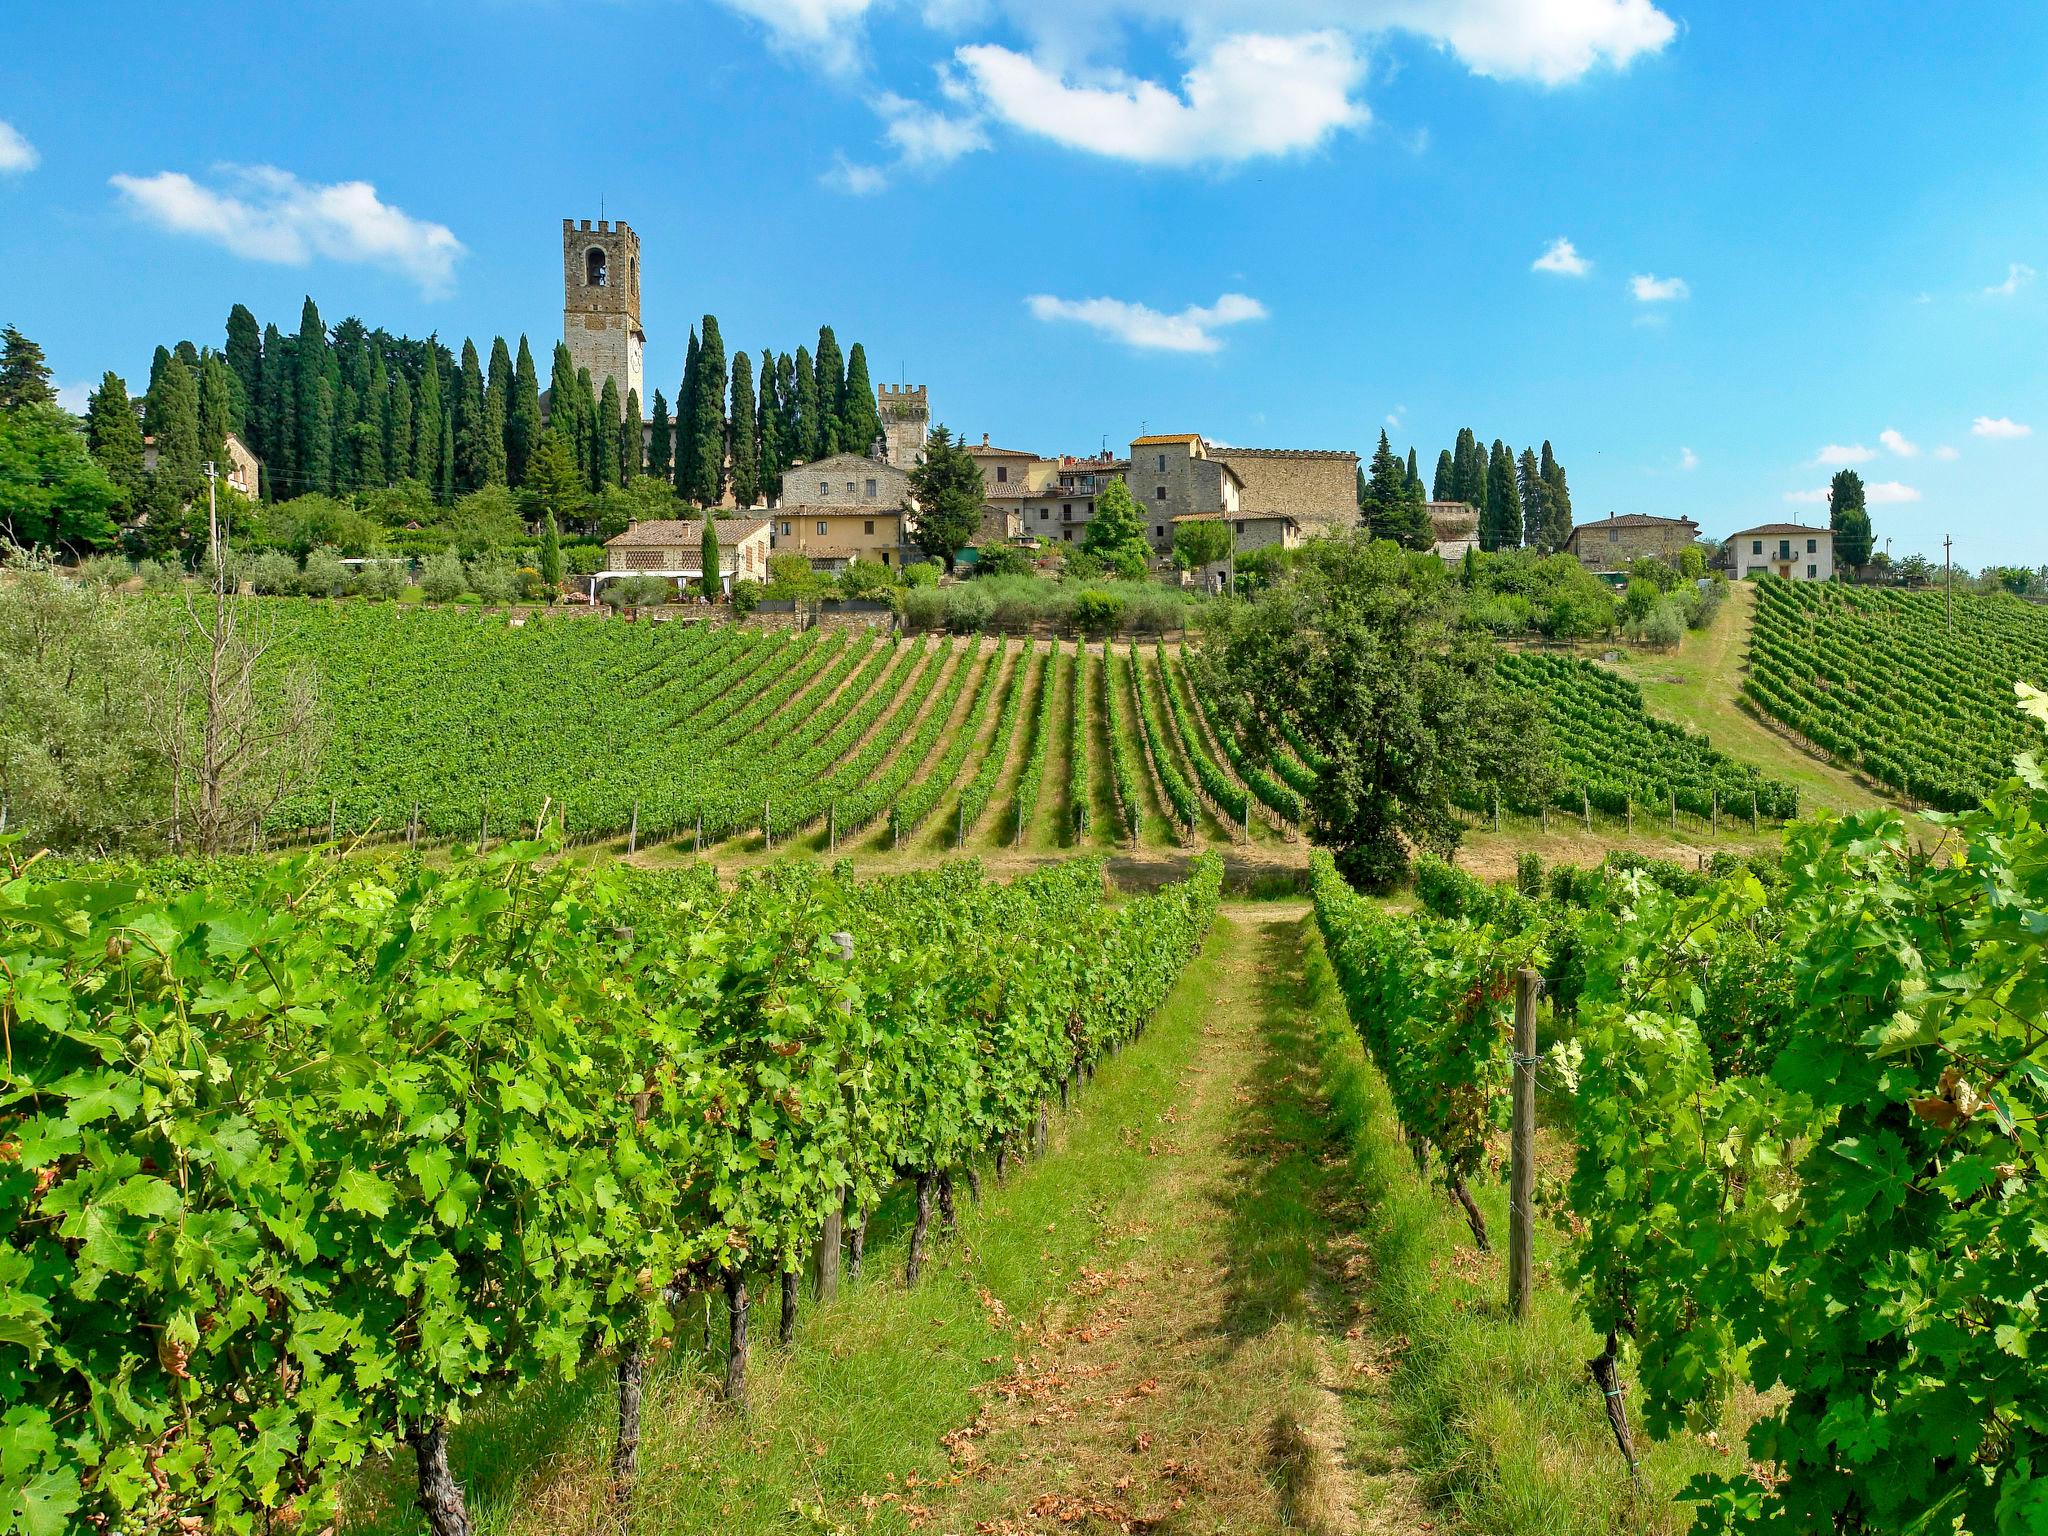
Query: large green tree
{"points": [[1849, 519], [686, 421], [769, 428], [949, 493], [707, 423], [472, 427], [661, 444], [861, 420], [277, 415], [830, 369], [1557, 501], [1529, 491], [522, 416], [555, 487], [52, 492], [1501, 527], [115, 438], [809, 436], [632, 442], [604, 442], [1390, 512], [1366, 653], [1115, 534], [315, 396], [24, 374], [1445, 486], [245, 360], [498, 414], [429, 414], [171, 416], [746, 453]]}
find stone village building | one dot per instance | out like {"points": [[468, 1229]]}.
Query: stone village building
{"points": [[674, 548], [1611, 543]]}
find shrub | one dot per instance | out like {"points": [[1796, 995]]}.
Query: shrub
{"points": [[441, 578], [1529, 876], [745, 596], [324, 575], [1663, 626], [491, 578], [104, 572], [381, 580], [274, 574], [1002, 560], [1097, 612], [969, 609], [866, 579], [922, 574], [1505, 613], [924, 606]]}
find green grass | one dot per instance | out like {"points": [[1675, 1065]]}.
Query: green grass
{"points": [[1499, 1418]]}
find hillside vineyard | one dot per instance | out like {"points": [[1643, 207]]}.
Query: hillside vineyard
{"points": [[1883, 681], [442, 724]]}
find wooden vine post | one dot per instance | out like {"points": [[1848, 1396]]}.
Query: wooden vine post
{"points": [[1522, 1172], [633, 832]]}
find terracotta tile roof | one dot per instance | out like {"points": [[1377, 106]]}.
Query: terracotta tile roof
{"points": [[1635, 520], [1797, 530], [1166, 437], [672, 530], [982, 447]]}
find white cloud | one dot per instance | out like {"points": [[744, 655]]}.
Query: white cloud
{"points": [[1999, 426], [1138, 325], [1563, 257], [1820, 495], [1845, 453], [1650, 289], [924, 136], [270, 215], [16, 153], [1248, 95], [1687, 459], [1552, 41], [1887, 493], [1394, 416], [2017, 275], [76, 397], [1896, 442], [1945, 452], [826, 32], [855, 179]]}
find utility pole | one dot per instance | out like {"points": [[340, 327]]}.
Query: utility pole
{"points": [[1948, 577], [213, 550]]}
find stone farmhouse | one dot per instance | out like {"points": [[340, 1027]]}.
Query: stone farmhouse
{"points": [[674, 548], [843, 508], [1794, 551], [1611, 543]]}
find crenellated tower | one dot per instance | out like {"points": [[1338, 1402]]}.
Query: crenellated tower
{"points": [[601, 303], [906, 417]]}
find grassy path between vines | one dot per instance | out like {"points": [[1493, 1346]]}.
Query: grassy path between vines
{"points": [[1144, 1329]]}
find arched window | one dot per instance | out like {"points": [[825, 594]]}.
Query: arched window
{"points": [[594, 268]]}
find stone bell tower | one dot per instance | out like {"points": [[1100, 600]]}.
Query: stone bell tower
{"points": [[906, 413], [601, 304]]}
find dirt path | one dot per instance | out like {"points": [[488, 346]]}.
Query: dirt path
{"points": [[1213, 1374]]}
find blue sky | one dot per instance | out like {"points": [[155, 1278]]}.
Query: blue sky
{"points": [[1798, 235]]}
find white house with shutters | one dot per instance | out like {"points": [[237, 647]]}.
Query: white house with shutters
{"points": [[1795, 551]]}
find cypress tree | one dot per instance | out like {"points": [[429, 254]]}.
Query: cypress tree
{"points": [[707, 455], [187, 354], [1468, 471], [768, 430], [788, 435], [171, 416], [522, 416], [830, 372], [1503, 502], [115, 438], [275, 425], [554, 487], [471, 424], [245, 362], [659, 449], [498, 414], [216, 407], [315, 396], [746, 450], [551, 554], [1359, 492], [686, 422], [24, 373], [1849, 519], [157, 359], [1557, 501], [632, 445], [444, 467], [604, 437], [861, 424], [1414, 478], [398, 427], [428, 414], [707, 549], [372, 464], [583, 423], [1529, 481], [804, 419], [562, 397], [1445, 487]]}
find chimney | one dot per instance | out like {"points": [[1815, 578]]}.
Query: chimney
{"points": [[984, 439]]}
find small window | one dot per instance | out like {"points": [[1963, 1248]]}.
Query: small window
{"points": [[1162, 463], [1613, 537], [1756, 546], [849, 488], [885, 557], [785, 530], [1002, 473], [1158, 533], [1240, 525], [594, 273], [869, 526], [871, 496], [1090, 509], [1812, 545], [821, 525], [1067, 534], [1066, 509], [1160, 494], [1045, 514], [1812, 571], [824, 487]]}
